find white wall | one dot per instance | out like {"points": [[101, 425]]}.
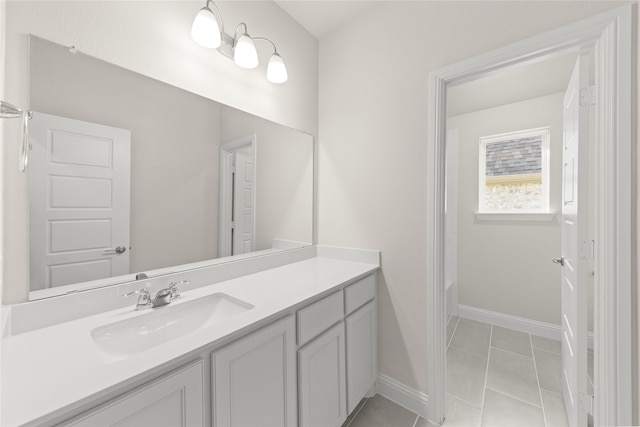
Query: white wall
{"points": [[373, 141], [2, 140], [175, 138], [506, 266], [3, 24], [284, 178], [152, 38]]}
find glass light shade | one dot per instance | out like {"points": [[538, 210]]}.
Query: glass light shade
{"points": [[276, 71], [245, 54], [205, 29]]}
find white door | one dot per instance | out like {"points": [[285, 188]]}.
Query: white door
{"points": [[576, 250], [243, 203], [451, 226], [236, 211], [79, 175]]}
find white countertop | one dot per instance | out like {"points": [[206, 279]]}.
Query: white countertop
{"points": [[50, 370]]}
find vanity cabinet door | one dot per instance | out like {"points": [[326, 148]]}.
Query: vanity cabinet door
{"points": [[254, 379], [322, 380], [175, 400], [362, 352]]}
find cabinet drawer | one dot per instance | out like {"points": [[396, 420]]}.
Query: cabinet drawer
{"points": [[360, 293], [318, 317]]}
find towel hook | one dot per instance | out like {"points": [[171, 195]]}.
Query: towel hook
{"points": [[10, 111]]}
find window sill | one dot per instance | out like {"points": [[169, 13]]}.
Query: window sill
{"points": [[505, 216]]}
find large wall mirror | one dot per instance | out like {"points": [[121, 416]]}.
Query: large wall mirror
{"points": [[129, 175]]}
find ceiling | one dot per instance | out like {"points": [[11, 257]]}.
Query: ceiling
{"points": [[518, 83], [321, 17]]}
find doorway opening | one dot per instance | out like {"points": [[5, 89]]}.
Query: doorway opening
{"points": [[610, 36], [237, 197], [504, 156]]}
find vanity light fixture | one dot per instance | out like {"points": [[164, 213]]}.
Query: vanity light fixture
{"points": [[244, 50], [208, 31], [205, 29], [276, 70]]}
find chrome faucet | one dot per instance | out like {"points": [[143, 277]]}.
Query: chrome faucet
{"points": [[163, 296], [173, 287], [144, 298]]}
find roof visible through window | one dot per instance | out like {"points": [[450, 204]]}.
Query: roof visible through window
{"points": [[514, 157]]}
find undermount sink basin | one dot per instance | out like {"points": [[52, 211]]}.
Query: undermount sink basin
{"points": [[159, 325]]}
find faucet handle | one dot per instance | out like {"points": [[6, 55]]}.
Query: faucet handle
{"points": [[141, 292], [173, 287], [144, 296]]}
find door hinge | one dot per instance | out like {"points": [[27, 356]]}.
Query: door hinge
{"points": [[585, 403], [588, 96], [233, 225], [586, 250]]}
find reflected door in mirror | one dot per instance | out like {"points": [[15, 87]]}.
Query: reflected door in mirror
{"points": [[175, 190], [243, 203], [79, 186]]}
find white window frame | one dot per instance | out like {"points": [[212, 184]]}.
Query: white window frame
{"points": [[528, 214]]}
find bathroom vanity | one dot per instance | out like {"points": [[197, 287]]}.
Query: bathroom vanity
{"points": [[283, 339], [261, 335]]}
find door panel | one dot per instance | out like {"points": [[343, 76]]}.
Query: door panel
{"points": [[81, 149], [243, 204], [79, 177], [575, 161], [78, 272], [72, 192]]}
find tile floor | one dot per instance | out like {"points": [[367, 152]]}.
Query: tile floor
{"points": [[495, 377]]}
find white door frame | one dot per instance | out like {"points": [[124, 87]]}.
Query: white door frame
{"points": [[610, 34], [225, 197]]}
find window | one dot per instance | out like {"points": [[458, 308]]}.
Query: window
{"points": [[514, 172]]}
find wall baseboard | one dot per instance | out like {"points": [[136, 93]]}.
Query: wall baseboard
{"points": [[403, 395], [542, 329]]}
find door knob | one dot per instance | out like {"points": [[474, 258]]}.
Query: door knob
{"points": [[118, 250], [559, 261]]}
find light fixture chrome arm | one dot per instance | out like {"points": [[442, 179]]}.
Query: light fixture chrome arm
{"points": [[245, 33], [244, 51], [217, 14], [241, 48], [275, 50], [276, 70], [208, 27]]}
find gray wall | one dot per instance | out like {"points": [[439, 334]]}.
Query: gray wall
{"points": [[154, 39], [174, 149], [373, 115], [176, 136], [506, 266], [284, 177]]}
